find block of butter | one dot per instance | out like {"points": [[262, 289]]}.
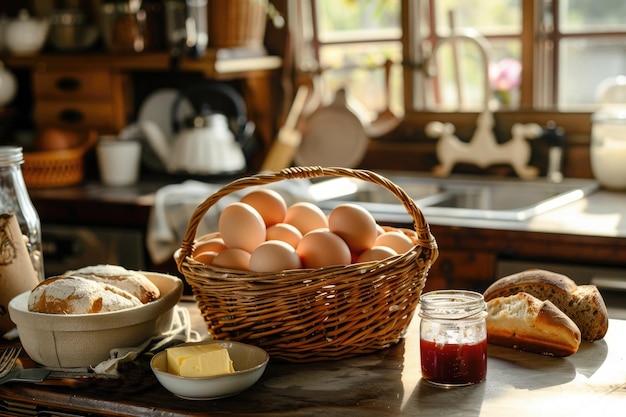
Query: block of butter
{"points": [[199, 360]]}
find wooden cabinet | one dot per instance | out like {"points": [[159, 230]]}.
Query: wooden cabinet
{"points": [[81, 99], [95, 90]]}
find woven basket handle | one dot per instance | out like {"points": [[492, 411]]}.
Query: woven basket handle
{"points": [[422, 229]]}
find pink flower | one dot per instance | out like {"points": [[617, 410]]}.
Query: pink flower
{"points": [[505, 75]]}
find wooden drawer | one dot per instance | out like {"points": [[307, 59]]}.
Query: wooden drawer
{"points": [[75, 85], [102, 115]]}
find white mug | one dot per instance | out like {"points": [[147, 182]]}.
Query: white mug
{"points": [[119, 161]]}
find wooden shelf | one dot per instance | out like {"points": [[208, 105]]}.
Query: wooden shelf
{"points": [[216, 63]]}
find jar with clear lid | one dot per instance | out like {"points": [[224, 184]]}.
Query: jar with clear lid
{"points": [[14, 199], [453, 337], [608, 147]]}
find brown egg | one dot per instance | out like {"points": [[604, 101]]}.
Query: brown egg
{"points": [[205, 257], [274, 256], [306, 217], [284, 231], [321, 248], [233, 258], [269, 203], [55, 139], [355, 225], [395, 240], [376, 253], [241, 226], [215, 244]]}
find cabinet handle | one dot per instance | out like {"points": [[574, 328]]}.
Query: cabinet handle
{"points": [[68, 84], [71, 116]]}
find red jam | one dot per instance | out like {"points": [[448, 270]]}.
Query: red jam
{"points": [[454, 364]]}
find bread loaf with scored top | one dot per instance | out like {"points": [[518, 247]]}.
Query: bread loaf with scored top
{"points": [[133, 282], [76, 295]]}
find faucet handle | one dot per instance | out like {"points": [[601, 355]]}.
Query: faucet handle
{"points": [[554, 135]]}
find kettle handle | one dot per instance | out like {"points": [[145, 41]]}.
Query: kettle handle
{"points": [[198, 94]]}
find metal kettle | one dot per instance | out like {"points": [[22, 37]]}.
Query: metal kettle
{"points": [[209, 142]]}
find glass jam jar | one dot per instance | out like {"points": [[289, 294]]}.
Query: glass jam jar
{"points": [[453, 337]]}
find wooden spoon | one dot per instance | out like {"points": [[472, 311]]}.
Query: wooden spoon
{"points": [[386, 120]]}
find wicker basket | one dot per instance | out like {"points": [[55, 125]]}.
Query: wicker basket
{"points": [[47, 169], [312, 314], [237, 23]]}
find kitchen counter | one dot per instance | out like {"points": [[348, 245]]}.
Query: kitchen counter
{"points": [[387, 383], [601, 214], [591, 230]]}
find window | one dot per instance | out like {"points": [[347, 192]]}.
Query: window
{"points": [[453, 55]]}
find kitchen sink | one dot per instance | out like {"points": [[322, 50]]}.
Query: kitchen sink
{"points": [[457, 196]]}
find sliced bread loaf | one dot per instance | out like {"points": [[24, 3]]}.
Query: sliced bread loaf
{"points": [[524, 322], [583, 304]]}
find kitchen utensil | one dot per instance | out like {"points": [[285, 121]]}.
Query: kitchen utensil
{"points": [[155, 116], [118, 161], [19, 374], [333, 136], [387, 119], [197, 27], [7, 360], [26, 35], [207, 145], [8, 85], [286, 144], [124, 27], [70, 31]]}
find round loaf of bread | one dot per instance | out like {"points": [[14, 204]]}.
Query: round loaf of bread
{"points": [[582, 303], [76, 295], [134, 282]]}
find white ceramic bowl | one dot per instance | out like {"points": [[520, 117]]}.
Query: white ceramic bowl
{"points": [[81, 340], [249, 363]]}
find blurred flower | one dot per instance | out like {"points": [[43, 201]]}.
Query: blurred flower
{"points": [[504, 76]]}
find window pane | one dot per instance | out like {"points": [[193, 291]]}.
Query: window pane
{"points": [[360, 68], [500, 23], [487, 16], [584, 63], [344, 20], [592, 16]]}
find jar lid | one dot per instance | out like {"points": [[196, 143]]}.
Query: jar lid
{"points": [[11, 155], [612, 113], [452, 304]]}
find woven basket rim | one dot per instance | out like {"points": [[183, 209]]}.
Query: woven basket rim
{"points": [[424, 237]]}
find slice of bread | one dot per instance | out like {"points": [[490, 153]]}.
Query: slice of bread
{"points": [[524, 322], [582, 303]]}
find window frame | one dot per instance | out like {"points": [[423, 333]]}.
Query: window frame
{"points": [[536, 101]]}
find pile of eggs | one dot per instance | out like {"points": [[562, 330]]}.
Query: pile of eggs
{"points": [[261, 233]]}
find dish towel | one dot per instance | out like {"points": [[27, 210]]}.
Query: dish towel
{"points": [[178, 332], [174, 205]]}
